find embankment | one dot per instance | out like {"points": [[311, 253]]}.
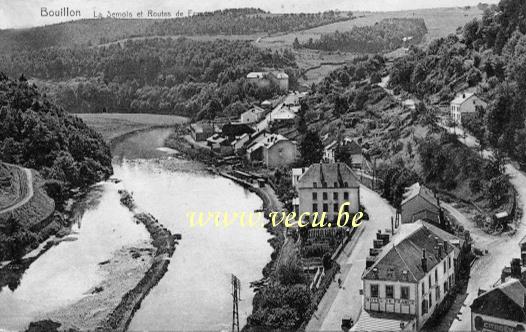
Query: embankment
{"points": [[164, 242]]}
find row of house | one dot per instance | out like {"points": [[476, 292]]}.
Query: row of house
{"points": [[272, 150], [266, 78]]}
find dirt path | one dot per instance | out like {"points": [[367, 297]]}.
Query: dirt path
{"points": [[29, 193]]}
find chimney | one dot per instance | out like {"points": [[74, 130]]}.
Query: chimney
{"points": [[516, 268], [424, 260], [439, 247]]}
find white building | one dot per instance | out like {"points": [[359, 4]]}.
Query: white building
{"points": [[325, 187], [254, 114], [465, 104], [265, 78], [410, 277]]}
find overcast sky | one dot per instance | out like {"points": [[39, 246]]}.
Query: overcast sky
{"points": [[26, 13]]}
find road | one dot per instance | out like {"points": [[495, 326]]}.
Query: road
{"points": [[347, 301], [501, 249], [29, 193]]}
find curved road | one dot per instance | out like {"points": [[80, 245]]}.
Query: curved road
{"points": [[29, 193]]}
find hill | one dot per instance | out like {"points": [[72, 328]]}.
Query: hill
{"points": [[37, 134], [489, 58], [90, 32]]}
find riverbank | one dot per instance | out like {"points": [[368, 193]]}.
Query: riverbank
{"points": [[129, 275]]}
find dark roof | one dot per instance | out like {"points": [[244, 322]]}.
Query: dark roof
{"points": [[236, 129], [419, 190], [401, 260], [328, 173], [353, 147], [505, 301]]}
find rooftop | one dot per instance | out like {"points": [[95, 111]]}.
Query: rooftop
{"points": [[266, 141], [256, 74], [330, 174], [401, 260], [462, 97], [381, 321], [506, 301], [419, 190]]}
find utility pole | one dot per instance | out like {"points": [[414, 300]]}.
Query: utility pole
{"points": [[236, 294]]}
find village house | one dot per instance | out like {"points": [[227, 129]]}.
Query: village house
{"points": [[502, 308], [219, 144], [239, 142], [354, 149], [265, 79], [255, 114], [201, 131], [282, 116], [408, 280], [325, 187], [465, 105], [421, 203], [272, 150]]}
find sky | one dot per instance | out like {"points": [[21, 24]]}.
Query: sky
{"points": [[28, 13]]}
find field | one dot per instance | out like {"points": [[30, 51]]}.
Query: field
{"points": [[440, 22], [112, 125]]}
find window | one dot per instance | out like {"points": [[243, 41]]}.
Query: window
{"points": [[324, 196], [430, 300], [324, 184], [325, 207], [430, 283], [315, 185], [374, 290], [314, 207], [445, 287], [445, 267], [346, 196], [423, 288], [335, 196], [436, 274], [437, 293], [424, 307], [389, 291], [449, 261], [336, 207], [335, 184], [404, 293], [314, 196]]}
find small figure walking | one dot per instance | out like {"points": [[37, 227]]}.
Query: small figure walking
{"points": [[339, 282]]}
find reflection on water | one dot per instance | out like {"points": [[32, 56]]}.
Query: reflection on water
{"points": [[195, 292]]}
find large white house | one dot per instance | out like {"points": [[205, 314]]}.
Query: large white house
{"points": [[325, 187], [409, 278], [465, 104]]}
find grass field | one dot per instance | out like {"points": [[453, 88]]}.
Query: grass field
{"points": [[440, 22], [112, 125]]}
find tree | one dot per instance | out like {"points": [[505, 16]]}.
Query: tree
{"points": [[311, 148], [296, 44]]}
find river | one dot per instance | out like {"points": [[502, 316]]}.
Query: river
{"points": [[195, 293]]}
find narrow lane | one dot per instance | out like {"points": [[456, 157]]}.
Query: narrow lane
{"points": [[346, 302], [29, 193]]}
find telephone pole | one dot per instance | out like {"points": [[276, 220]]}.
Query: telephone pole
{"points": [[236, 294]]}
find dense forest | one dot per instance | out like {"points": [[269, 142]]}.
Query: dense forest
{"points": [[490, 57], [386, 35], [99, 31], [37, 134], [160, 75]]}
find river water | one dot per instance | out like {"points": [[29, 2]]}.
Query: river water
{"points": [[195, 293]]}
